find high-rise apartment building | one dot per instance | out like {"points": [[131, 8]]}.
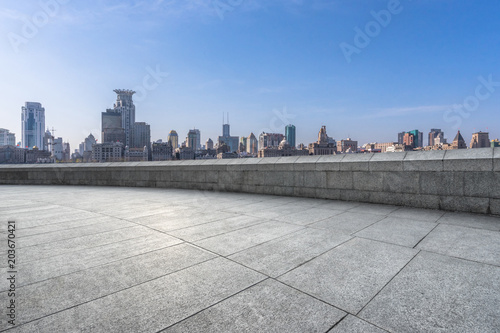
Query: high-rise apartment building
{"points": [[290, 135], [480, 140], [7, 138], [32, 125]]}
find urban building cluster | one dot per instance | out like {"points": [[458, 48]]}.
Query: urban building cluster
{"points": [[124, 139]]}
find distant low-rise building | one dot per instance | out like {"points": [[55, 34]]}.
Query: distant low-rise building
{"points": [[162, 151], [459, 142], [12, 155], [324, 145], [283, 149], [347, 145], [36, 155], [107, 152], [480, 140], [135, 154]]}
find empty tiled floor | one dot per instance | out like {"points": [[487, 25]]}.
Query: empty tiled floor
{"points": [[100, 259]]}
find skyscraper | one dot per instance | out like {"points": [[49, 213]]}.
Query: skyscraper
{"points": [[173, 138], [435, 133], [142, 136], [418, 138], [112, 130], [290, 134], [252, 144], [32, 125], [231, 141], [192, 139], [126, 108]]}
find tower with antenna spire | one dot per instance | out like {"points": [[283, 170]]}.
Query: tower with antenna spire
{"points": [[231, 141]]}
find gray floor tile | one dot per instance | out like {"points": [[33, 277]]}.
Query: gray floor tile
{"points": [[348, 222], [104, 225], [245, 238], [399, 231], [472, 220], [266, 307], [60, 264], [350, 275], [369, 208], [57, 294], [435, 293], [211, 229], [427, 215], [285, 253], [308, 215], [473, 244], [155, 305], [351, 324]]}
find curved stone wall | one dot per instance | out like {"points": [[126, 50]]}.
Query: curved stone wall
{"points": [[455, 180]]}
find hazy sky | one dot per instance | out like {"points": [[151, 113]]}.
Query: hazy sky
{"points": [[364, 68]]}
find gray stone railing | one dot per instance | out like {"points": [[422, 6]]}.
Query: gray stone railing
{"points": [[455, 180]]}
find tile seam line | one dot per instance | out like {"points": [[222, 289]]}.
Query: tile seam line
{"points": [[264, 278], [119, 291], [95, 247], [317, 256], [420, 241], [66, 239], [460, 258], [103, 264], [270, 240], [197, 240], [204, 223], [388, 282]]}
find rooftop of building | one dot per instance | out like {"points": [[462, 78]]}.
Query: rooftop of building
{"points": [[109, 259]]}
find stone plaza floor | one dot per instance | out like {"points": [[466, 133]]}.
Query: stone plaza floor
{"points": [[110, 259]]}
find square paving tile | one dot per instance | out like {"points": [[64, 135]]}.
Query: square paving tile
{"points": [[467, 243], [421, 214], [245, 238], [56, 294], [399, 231], [285, 253], [308, 215], [266, 307], [472, 220], [350, 275], [351, 324], [347, 222], [378, 209], [435, 293], [206, 230], [155, 305]]}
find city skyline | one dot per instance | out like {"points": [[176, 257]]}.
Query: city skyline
{"points": [[268, 64]]}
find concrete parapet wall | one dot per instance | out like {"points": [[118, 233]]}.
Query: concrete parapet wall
{"points": [[454, 180]]}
